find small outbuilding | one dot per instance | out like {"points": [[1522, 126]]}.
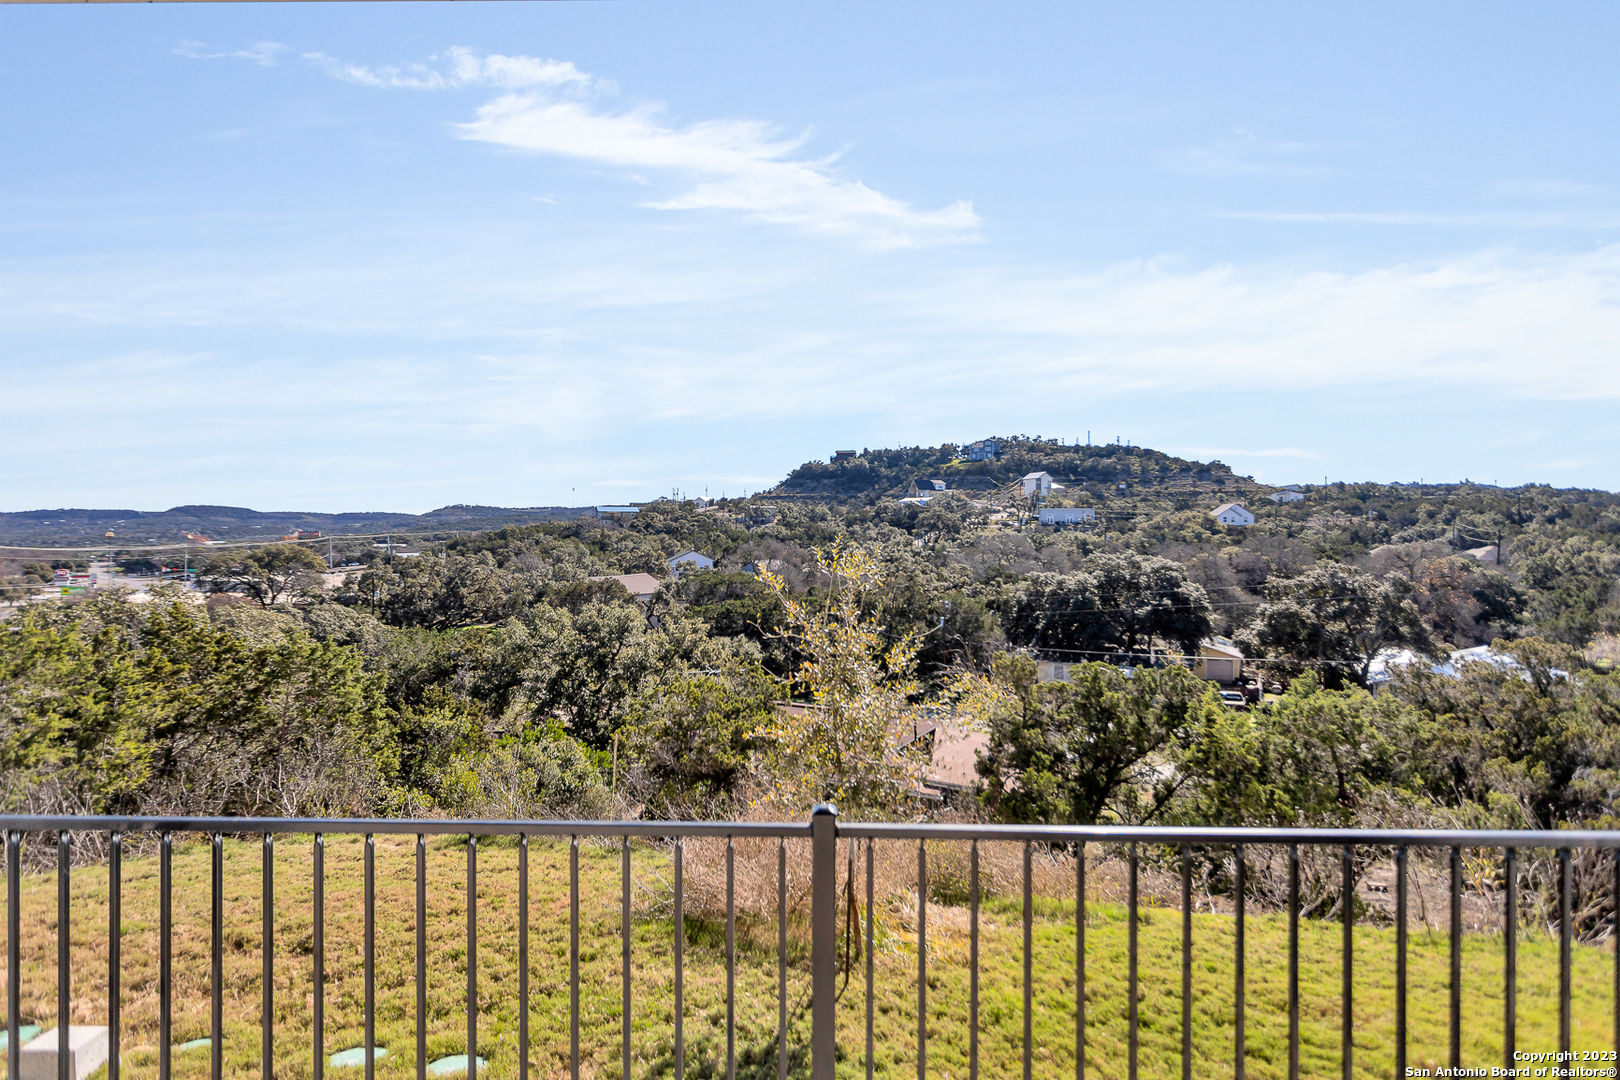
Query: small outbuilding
{"points": [[1218, 660], [1052, 671]]}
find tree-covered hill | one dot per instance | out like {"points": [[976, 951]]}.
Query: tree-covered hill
{"points": [[876, 473], [69, 527]]}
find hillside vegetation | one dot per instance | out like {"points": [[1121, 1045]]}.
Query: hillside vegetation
{"points": [[505, 673]]}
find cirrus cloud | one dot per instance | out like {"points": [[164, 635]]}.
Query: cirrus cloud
{"points": [[728, 165], [460, 68]]}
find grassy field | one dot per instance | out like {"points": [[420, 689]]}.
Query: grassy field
{"points": [[652, 1011]]}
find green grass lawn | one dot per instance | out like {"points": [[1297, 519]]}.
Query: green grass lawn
{"points": [[652, 1011]]}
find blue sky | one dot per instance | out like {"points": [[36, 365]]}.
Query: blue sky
{"points": [[392, 256]]}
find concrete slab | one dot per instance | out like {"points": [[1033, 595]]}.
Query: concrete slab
{"points": [[356, 1055], [455, 1063], [87, 1052]]}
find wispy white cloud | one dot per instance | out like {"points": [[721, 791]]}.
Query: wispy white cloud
{"points": [[460, 68], [1245, 154], [742, 166], [475, 341], [1541, 220], [1547, 189], [1507, 324], [263, 53]]}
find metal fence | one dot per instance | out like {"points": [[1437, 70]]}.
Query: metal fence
{"points": [[822, 831]]}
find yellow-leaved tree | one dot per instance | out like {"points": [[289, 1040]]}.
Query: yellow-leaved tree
{"points": [[850, 745]]}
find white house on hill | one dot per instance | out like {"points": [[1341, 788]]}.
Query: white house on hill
{"points": [[1039, 483], [1232, 514], [1286, 496]]}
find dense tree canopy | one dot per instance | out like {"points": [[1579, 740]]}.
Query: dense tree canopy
{"points": [[1335, 619], [270, 574]]}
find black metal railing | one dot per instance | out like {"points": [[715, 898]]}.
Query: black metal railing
{"points": [[822, 831]]}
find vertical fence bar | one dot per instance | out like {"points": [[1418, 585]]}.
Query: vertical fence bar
{"points": [[1240, 1050], [1347, 967], [115, 949], [1614, 897], [1186, 963], [371, 955], [64, 959], [823, 941], [680, 957], [421, 957], [731, 957], [13, 953], [318, 853], [1400, 961], [1510, 959], [216, 982], [973, 962], [1130, 971], [624, 953], [523, 956], [267, 945], [1080, 961], [922, 961], [573, 957], [1566, 890], [781, 961], [871, 1004], [1455, 914], [166, 952], [1029, 960], [1293, 962], [472, 956]]}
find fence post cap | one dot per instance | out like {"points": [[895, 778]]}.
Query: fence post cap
{"points": [[823, 808]]}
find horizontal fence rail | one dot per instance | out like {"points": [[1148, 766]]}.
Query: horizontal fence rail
{"points": [[830, 973]]}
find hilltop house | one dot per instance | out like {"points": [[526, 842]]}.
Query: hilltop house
{"points": [[688, 560], [1286, 495], [984, 450], [1232, 514]]}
